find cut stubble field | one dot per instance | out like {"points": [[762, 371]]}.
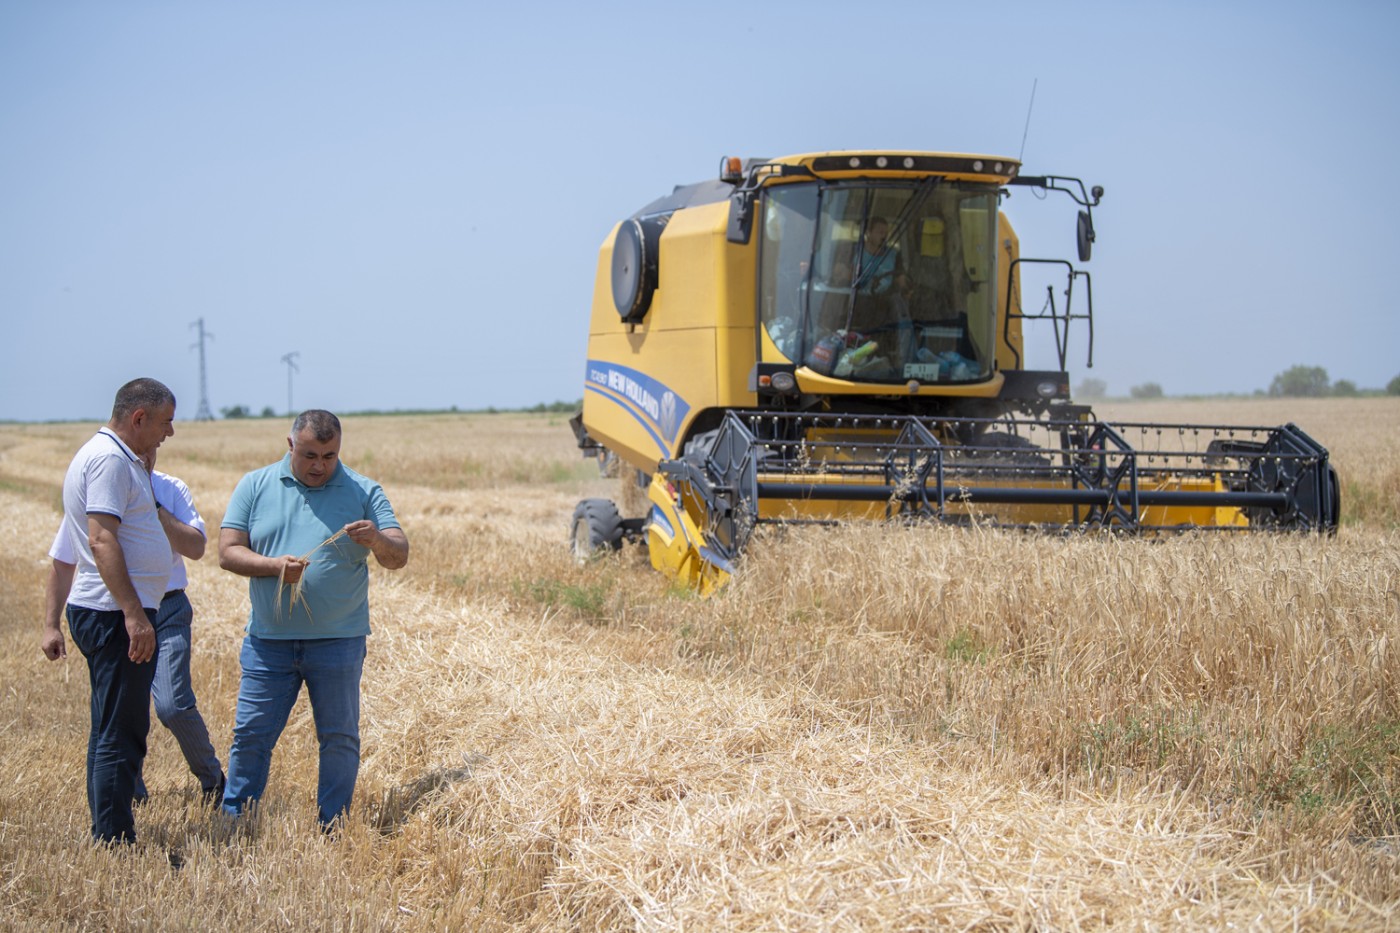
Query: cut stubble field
{"points": [[872, 727]]}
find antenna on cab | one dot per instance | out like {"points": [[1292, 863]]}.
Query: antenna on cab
{"points": [[1026, 132]]}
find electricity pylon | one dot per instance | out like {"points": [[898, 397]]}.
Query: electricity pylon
{"points": [[204, 414], [290, 360]]}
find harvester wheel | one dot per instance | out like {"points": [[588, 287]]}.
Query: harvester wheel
{"points": [[596, 529]]}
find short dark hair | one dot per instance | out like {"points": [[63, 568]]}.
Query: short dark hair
{"points": [[323, 425], [140, 393]]}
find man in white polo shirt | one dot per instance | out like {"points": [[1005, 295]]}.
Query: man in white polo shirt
{"points": [[123, 566], [172, 689]]}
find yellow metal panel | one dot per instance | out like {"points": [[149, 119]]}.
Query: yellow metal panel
{"points": [[627, 405], [675, 545], [604, 317], [1010, 350], [690, 283]]}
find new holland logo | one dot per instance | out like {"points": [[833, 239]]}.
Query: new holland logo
{"points": [[668, 414], [658, 409]]}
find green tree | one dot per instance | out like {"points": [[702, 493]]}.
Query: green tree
{"points": [[1308, 381], [1344, 388], [236, 411], [1393, 386], [1091, 388], [1146, 390], [267, 412]]}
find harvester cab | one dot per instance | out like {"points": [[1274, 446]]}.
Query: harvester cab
{"points": [[841, 336]]}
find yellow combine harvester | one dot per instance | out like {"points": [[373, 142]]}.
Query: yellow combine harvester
{"points": [[838, 336]]}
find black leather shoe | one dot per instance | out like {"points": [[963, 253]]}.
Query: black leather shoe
{"points": [[213, 797]]}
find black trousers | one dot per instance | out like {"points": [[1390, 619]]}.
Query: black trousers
{"points": [[121, 718]]}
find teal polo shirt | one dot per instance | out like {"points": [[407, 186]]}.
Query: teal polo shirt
{"points": [[282, 516]]}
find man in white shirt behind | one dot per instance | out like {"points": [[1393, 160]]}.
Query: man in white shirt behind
{"points": [[171, 688]]}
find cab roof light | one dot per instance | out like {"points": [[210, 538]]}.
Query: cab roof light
{"points": [[933, 164]]}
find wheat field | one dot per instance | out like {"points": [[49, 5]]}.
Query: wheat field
{"points": [[872, 727]]}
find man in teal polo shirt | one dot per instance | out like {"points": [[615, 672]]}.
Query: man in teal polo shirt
{"points": [[302, 531]]}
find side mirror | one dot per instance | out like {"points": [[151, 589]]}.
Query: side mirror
{"points": [[741, 212], [1084, 234]]}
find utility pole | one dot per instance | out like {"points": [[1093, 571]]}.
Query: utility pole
{"points": [[290, 360], [204, 414]]}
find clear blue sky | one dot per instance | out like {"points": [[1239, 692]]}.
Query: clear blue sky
{"points": [[411, 195]]}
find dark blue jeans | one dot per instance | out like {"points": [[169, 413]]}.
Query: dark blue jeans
{"points": [[121, 718], [273, 673]]}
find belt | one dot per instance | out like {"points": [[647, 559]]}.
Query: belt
{"points": [[171, 593]]}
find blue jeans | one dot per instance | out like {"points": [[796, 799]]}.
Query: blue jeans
{"points": [[121, 718], [174, 696], [273, 672]]}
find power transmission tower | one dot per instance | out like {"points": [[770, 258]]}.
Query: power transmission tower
{"points": [[204, 414], [290, 360]]}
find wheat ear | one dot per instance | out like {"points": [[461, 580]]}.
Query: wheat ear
{"points": [[297, 595]]}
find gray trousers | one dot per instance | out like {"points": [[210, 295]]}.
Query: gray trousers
{"points": [[174, 694]]}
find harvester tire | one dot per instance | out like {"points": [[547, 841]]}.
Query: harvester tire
{"points": [[596, 529]]}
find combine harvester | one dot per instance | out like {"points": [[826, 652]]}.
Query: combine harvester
{"points": [[838, 336]]}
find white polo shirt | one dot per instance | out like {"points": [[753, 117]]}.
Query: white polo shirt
{"points": [[107, 478], [175, 497]]}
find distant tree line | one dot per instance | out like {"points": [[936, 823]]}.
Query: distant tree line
{"points": [[1294, 382], [1312, 382], [559, 407], [1097, 389], [243, 411]]}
